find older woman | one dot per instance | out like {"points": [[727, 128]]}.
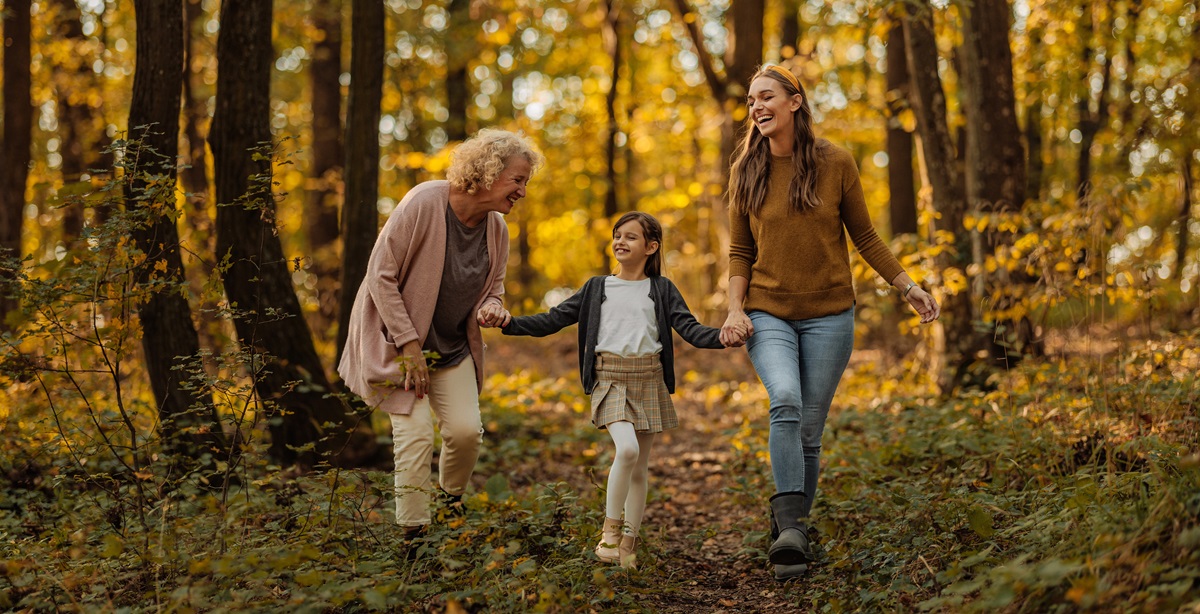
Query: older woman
{"points": [[413, 347]]}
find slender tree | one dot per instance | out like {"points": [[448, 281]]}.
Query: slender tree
{"points": [[1131, 134], [325, 172], [612, 47], [789, 29], [305, 422], [187, 417], [460, 46], [81, 138], [902, 201], [360, 217], [194, 176], [1183, 221], [743, 55], [1183, 230], [1035, 165], [17, 140], [995, 157], [928, 101], [995, 163], [1093, 109]]}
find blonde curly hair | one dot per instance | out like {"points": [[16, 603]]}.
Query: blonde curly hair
{"points": [[480, 159]]}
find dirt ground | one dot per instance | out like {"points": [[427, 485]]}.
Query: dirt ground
{"points": [[693, 529]]}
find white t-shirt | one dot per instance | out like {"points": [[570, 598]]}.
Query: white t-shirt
{"points": [[627, 323]]}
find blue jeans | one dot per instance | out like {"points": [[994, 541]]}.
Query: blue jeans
{"points": [[800, 362]]}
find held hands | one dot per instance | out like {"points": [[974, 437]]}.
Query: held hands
{"points": [[924, 303], [493, 315], [736, 330], [416, 371]]}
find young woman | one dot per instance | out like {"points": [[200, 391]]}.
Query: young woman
{"points": [[794, 198], [626, 363], [446, 240]]}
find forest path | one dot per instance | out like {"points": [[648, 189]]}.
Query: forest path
{"points": [[695, 552]]}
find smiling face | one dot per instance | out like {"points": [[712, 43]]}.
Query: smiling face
{"points": [[771, 109], [509, 186], [631, 248]]}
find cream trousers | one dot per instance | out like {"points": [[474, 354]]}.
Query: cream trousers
{"points": [[453, 400]]}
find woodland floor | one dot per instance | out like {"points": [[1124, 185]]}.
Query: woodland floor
{"points": [[693, 530]]}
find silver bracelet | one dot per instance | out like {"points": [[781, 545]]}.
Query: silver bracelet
{"points": [[907, 289]]}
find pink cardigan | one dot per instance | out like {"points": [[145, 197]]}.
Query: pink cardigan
{"points": [[396, 301]]}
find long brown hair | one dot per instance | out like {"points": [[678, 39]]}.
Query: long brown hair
{"points": [[653, 232], [750, 175]]}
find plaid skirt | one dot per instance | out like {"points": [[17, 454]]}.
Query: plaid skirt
{"points": [[632, 389]]}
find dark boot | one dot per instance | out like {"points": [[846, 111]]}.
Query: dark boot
{"points": [[791, 535], [783, 573]]}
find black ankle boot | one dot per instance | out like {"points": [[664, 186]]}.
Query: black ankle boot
{"points": [[783, 573], [791, 545]]}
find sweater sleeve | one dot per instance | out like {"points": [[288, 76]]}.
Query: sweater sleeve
{"points": [[685, 323], [858, 223], [743, 251], [383, 274], [561, 316]]}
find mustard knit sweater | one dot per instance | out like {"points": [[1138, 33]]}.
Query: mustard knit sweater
{"points": [[798, 263]]}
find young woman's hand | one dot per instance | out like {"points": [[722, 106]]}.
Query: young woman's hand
{"points": [[416, 372], [926, 306], [736, 330], [493, 315]]}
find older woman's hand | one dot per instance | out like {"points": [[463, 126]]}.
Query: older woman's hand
{"points": [[416, 371], [493, 315], [926, 306]]}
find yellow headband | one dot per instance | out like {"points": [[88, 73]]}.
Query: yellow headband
{"points": [[786, 74]]}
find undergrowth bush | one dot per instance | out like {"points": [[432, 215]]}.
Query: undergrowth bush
{"points": [[1075, 483]]}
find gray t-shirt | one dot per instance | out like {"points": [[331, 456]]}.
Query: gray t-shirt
{"points": [[463, 277], [628, 326]]}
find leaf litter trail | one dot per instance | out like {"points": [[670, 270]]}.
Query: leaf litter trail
{"points": [[696, 554]]}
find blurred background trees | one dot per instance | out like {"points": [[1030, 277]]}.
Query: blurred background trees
{"points": [[1030, 160]]}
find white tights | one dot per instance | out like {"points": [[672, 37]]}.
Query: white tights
{"points": [[627, 480]]}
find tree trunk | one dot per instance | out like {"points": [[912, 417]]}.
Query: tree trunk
{"points": [[1090, 121], [1131, 136], [995, 163], [937, 146], [194, 176], [1182, 230], [526, 274], [81, 137], [743, 55], [321, 200], [1035, 165], [902, 203], [187, 417], [995, 157], [18, 135], [460, 47], [360, 215], [306, 426], [612, 46], [789, 30]]}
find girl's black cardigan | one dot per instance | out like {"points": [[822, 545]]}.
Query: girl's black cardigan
{"points": [[584, 307]]}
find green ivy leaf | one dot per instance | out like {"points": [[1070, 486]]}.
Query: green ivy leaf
{"points": [[113, 546], [981, 522]]}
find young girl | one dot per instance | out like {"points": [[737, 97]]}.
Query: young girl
{"points": [[627, 365]]}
